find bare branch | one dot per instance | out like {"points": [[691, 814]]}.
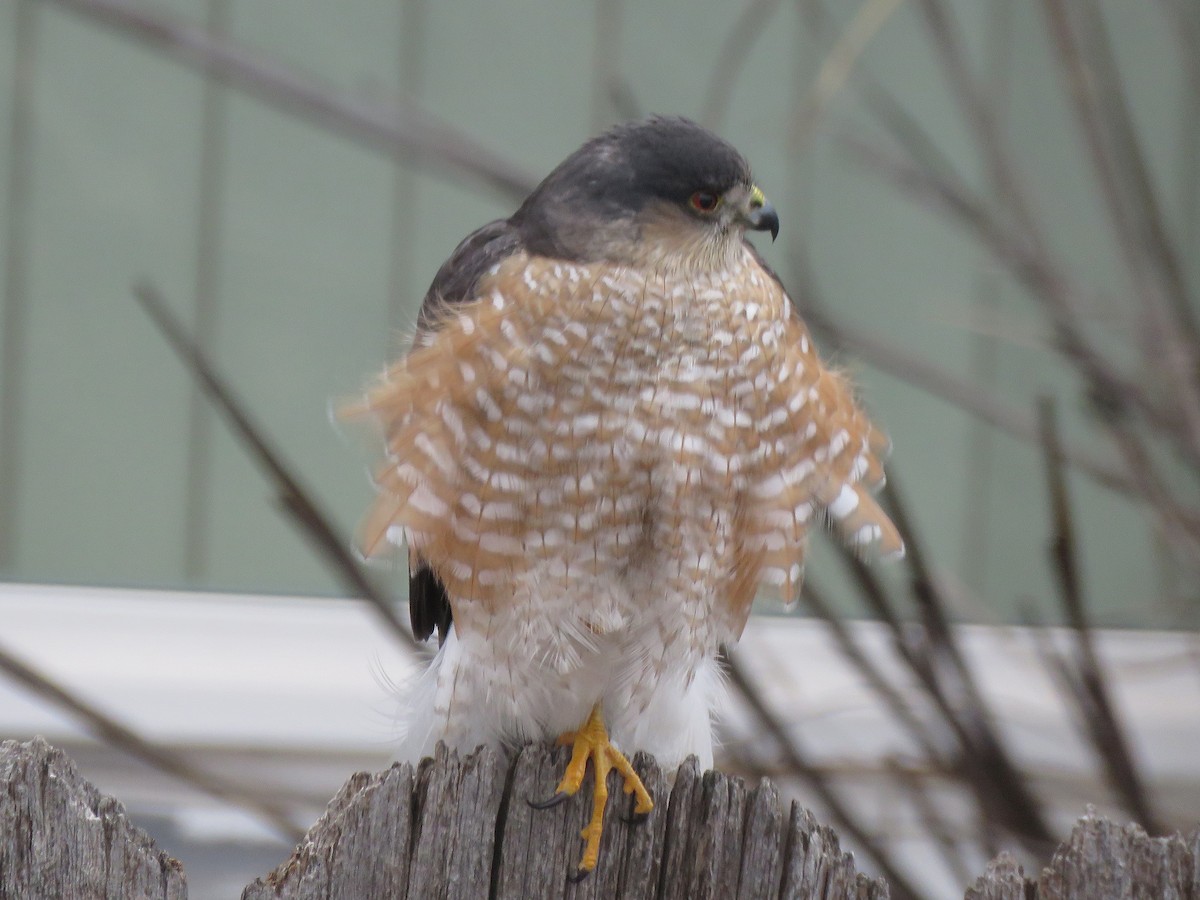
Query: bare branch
{"points": [[1170, 332], [801, 766], [753, 20], [1030, 266], [611, 90], [839, 63], [888, 694], [1088, 684], [210, 198], [936, 381], [914, 785], [113, 732], [1156, 239], [403, 129], [999, 786], [295, 498]]}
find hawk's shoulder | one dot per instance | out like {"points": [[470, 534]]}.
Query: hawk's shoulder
{"points": [[456, 280]]}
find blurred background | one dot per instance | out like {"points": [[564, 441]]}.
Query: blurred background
{"points": [[991, 218]]}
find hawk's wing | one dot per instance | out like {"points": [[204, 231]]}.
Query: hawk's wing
{"points": [[864, 515], [455, 282]]}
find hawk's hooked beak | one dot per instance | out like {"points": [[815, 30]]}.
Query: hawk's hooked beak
{"points": [[761, 215]]}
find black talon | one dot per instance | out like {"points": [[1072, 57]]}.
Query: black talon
{"points": [[557, 799], [580, 875], [635, 818]]}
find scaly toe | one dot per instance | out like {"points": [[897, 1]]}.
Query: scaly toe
{"points": [[643, 802], [591, 743]]}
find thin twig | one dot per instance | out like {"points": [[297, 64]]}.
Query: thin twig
{"points": [[1136, 218], [927, 592], [933, 174], [1180, 524], [1090, 684], [916, 788], [610, 89], [1041, 273], [803, 767], [1027, 256], [906, 129], [1043, 276], [888, 694], [113, 732], [838, 65], [1026, 261], [295, 498], [1014, 791], [938, 382], [999, 786], [1074, 692], [210, 199], [751, 22], [1133, 163], [1177, 523]]}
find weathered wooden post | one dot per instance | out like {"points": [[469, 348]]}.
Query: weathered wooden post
{"points": [[60, 838], [1101, 860], [460, 828]]}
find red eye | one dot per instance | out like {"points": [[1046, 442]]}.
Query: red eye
{"points": [[704, 201]]}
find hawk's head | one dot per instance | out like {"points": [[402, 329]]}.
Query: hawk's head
{"points": [[660, 191]]}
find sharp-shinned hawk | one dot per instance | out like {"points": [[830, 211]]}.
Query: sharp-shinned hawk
{"points": [[612, 430]]}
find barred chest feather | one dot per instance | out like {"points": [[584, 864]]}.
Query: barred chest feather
{"points": [[589, 454]]}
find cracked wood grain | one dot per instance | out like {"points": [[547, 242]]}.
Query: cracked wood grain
{"points": [[60, 837], [462, 827]]}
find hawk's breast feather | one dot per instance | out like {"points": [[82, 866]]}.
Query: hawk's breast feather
{"points": [[570, 404]]}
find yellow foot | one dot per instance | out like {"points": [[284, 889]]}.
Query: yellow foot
{"points": [[591, 742]]}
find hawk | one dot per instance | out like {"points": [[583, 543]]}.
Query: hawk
{"points": [[611, 431]]}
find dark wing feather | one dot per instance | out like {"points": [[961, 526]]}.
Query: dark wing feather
{"points": [[455, 282], [428, 605]]}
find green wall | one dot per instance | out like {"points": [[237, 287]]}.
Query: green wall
{"points": [[300, 254]]}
